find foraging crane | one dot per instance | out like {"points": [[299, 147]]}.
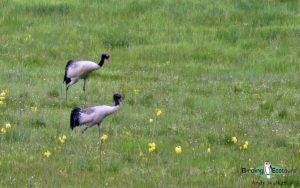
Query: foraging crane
{"points": [[76, 70], [93, 115]]}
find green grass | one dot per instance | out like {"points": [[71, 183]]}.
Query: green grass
{"points": [[216, 69]]}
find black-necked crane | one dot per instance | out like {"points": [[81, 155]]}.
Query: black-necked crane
{"points": [[93, 115], [76, 70]]}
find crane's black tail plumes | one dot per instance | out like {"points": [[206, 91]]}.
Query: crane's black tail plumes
{"points": [[75, 117], [66, 79]]}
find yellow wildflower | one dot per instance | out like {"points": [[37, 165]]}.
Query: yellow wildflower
{"points": [[62, 141], [28, 37], [141, 154], [129, 133], [2, 94], [47, 153], [234, 140], [104, 138], [34, 109], [178, 149], [136, 91], [7, 126], [208, 150], [2, 98], [152, 147], [158, 112], [64, 137], [245, 145], [1, 102], [150, 120], [3, 130]]}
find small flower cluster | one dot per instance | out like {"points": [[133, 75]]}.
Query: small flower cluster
{"points": [[151, 120], [3, 94], [152, 147], [158, 113], [234, 140], [129, 133], [28, 37], [136, 91], [141, 154], [47, 154], [34, 109], [244, 146], [4, 129], [62, 139], [178, 149], [104, 138]]}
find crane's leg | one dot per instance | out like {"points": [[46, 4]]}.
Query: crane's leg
{"points": [[67, 92], [73, 81], [99, 129], [86, 127], [84, 80]]}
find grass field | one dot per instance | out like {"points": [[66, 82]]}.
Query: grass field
{"points": [[215, 69]]}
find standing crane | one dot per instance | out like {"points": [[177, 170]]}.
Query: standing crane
{"points": [[76, 70], [93, 115]]}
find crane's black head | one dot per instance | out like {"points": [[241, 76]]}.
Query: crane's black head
{"points": [[117, 98], [105, 56]]}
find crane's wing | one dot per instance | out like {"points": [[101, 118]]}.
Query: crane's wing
{"points": [[96, 114], [87, 115], [79, 68]]}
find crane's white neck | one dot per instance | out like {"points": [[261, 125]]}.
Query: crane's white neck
{"points": [[112, 110]]}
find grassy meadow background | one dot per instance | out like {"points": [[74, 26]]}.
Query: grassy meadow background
{"points": [[216, 69]]}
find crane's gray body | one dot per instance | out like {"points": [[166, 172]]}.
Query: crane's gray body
{"points": [[80, 70], [93, 115], [76, 70], [96, 114]]}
